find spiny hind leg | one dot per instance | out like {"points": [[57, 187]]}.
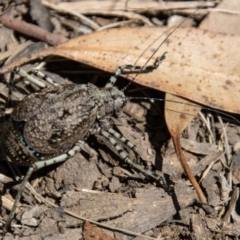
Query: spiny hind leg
{"points": [[34, 167], [125, 157], [124, 140]]}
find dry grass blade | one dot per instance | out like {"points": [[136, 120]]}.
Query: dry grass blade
{"points": [[87, 7]]}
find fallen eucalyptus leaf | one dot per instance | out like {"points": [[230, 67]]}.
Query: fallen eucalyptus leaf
{"points": [[200, 65]]}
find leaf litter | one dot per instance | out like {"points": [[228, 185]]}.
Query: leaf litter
{"points": [[69, 186]]}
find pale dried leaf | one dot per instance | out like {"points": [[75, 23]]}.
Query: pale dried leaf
{"points": [[177, 118], [201, 66]]}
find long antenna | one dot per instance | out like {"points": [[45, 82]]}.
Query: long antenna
{"points": [[188, 104], [158, 60]]}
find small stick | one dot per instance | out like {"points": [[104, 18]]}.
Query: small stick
{"points": [[32, 30], [232, 204]]}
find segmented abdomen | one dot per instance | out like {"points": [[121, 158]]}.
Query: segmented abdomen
{"points": [[15, 148], [63, 116]]}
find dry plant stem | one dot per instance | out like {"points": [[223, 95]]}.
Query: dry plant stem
{"points": [[232, 203], [177, 144], [116, 24], [223, 11], [226, 145], [128, 15], [201, 13], [229, 162], [86, 7], [32, 30], [207, 126], [81, 17]]}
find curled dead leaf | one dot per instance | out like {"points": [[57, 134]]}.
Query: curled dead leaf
{"points": [[177, 118]]}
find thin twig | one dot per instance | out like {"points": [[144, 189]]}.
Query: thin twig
{"points": [[221, 10], [32, 30], [116, 24], [122, 14], [207, 126], [81, 17], [232, 203]]}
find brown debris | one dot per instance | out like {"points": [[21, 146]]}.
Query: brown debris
{"points": [[91, 232], [32, 30]]}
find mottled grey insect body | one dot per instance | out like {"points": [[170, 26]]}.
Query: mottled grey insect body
{"points": [[49, 122]]}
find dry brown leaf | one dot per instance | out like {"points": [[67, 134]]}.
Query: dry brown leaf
{"points": [[201, 66], [177, 118], [91, 232]]}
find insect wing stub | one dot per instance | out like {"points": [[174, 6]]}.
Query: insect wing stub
{"points": [[14, 147]]}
